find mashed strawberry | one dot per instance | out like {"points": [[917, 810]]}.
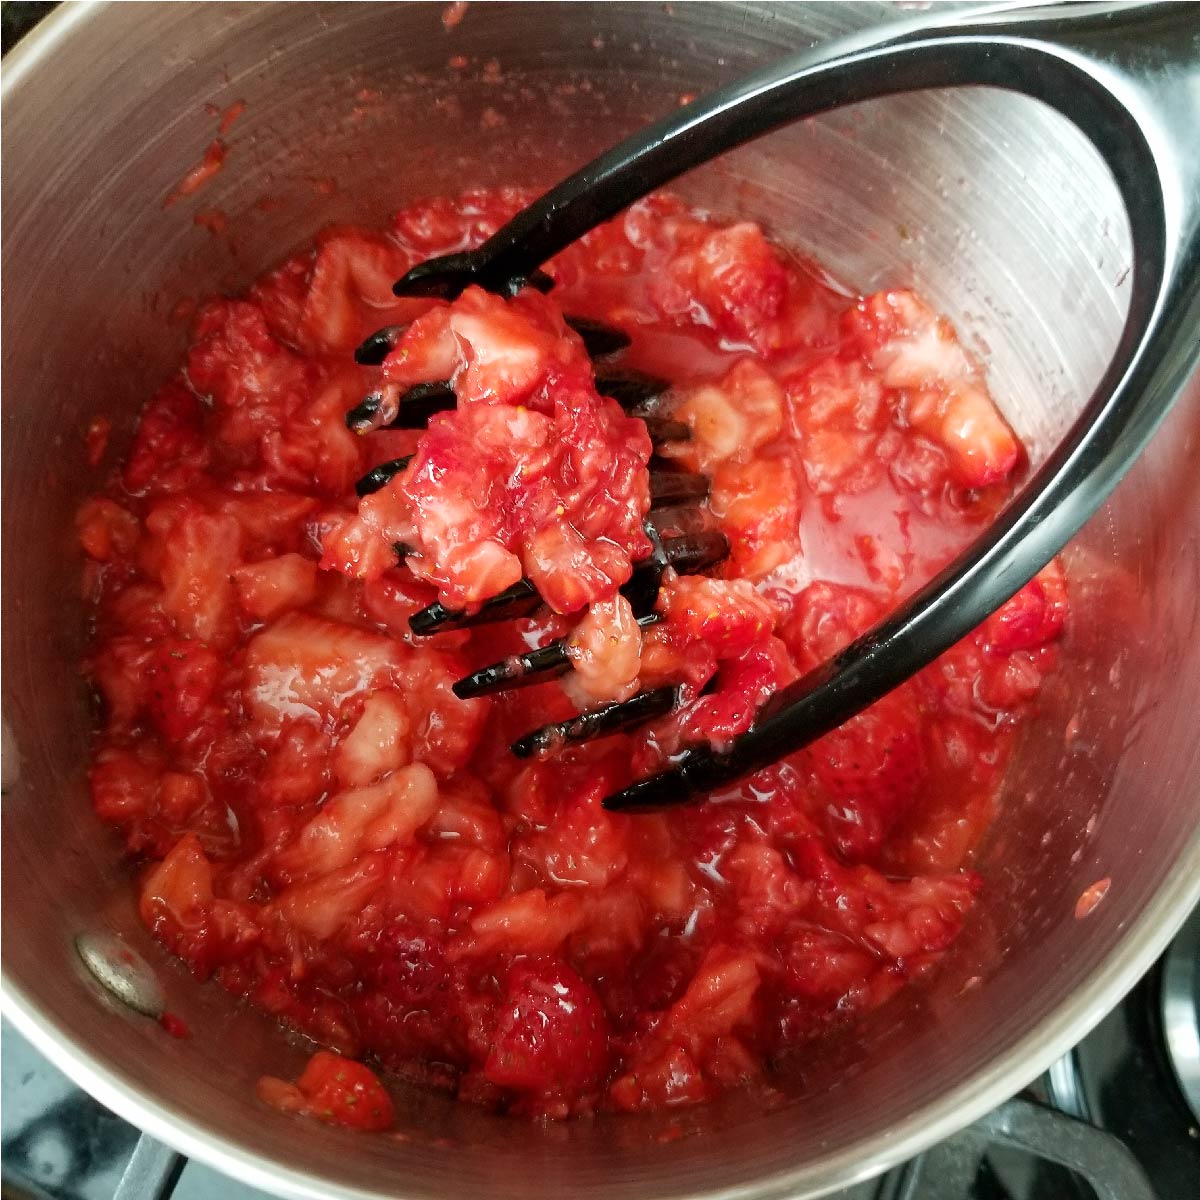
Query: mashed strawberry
{"points": [[534, 473], [322, 827]]}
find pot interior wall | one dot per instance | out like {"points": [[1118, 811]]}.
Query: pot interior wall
{"points": [[994, 207]]}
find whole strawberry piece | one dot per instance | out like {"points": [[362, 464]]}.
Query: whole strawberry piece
{"points": [[552, 1033]]}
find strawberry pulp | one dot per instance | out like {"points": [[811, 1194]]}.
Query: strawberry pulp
{"points": [[321, 826]]}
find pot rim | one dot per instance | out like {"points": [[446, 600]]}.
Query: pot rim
{"points": [[1143, 943], [1011, 1070]]}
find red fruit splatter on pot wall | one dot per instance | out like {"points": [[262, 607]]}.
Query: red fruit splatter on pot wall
{"points": [[317, 824]]}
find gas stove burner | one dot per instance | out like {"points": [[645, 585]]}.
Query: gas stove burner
{"points": [[1181, 1009]]}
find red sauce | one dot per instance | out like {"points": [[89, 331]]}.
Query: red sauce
{"points": [[1090, 898], [230, 115], [324, 829], [95, 440], [212, 162], [174, 1025], [453, 14], [212, 219]]}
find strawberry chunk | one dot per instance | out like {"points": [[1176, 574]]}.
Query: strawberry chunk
{"points": [[758, 507], [728, 615], [303, 666], [668, 1078], [296, 772], [552, 1033], [106, 530], [605, 650], [871, 771], [917, 353], [274, 522], [178, 904], [909, 921], [360, 820], [266, 589], [743, 684], [447, 881], [324, 906], [441, 224], [179, 891], [532, 474], [380, 741], [718, 999], [237, 362], [580, 845], [310, 448], [824, 619], [369, 544], [839, 409], [529, 922], [350, 290], [181, 679], [169, 451], [444, 729], [333, 1089], [154, 806], [280, 294], [729, 418], [196, 557], [403, 1012], [1034, 616], [736, 275]]}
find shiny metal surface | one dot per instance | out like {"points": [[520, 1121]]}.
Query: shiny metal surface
{"points": [[993, 206], [121, 971], [1128, 76]]}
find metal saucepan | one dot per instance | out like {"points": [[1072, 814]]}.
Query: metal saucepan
{"points": [[993, 206]]}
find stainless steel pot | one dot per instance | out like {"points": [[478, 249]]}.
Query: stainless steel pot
{"points": [[993, 206]]}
